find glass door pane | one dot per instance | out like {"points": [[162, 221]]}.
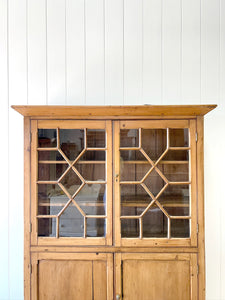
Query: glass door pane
{"points": [[154, 182], [73, 182]]}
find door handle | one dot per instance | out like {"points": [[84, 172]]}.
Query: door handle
{"points": [[117, 297]]}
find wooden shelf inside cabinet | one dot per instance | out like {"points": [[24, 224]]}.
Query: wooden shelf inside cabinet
{"points": [[134, 203], [123, 183]]}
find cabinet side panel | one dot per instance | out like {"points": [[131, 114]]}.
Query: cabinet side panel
{"points": [[33, 172], [193, 184], [27, 208], [200, 182]]}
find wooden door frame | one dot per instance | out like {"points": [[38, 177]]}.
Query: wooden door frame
{"points": [[156, 242], [70, 124], [191, 257], [36, 257]]}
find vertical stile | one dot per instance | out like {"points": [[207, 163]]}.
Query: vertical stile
{"points": [[117, 200], [194, 278], [201, 217], [118, 274], [109, 276], [109, 185], [34, 275], [34, 177]]}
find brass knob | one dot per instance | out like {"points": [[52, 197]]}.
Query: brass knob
{"points": [[117, 297]]}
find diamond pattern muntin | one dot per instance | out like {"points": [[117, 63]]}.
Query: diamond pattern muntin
{"points": [[71, 182], [155, 173]]}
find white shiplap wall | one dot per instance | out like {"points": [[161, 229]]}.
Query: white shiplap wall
{"points": [[110, 52]]}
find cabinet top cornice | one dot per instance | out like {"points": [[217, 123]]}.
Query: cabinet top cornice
{"points": [[59, 111]]}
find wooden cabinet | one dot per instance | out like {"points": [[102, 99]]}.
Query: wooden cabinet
{"points": [[114, 204]]}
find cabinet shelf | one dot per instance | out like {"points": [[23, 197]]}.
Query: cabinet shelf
{"points": [[128, 162], [131, 203]]}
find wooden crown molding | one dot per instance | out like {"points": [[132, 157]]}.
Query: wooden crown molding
{"points": [[113, 111]]}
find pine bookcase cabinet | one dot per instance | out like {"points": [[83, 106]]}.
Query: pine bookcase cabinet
{"points": [[114, 205]]}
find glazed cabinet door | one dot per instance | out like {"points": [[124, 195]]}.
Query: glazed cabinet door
{"points": [[156, 276], [155, 183], [71, 182], [72, 276]]}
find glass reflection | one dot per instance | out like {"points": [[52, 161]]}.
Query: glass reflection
{"points": [[47, 138]]}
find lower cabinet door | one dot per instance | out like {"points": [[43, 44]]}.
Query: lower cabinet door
{"points": [[72, 276], [156, 276]]}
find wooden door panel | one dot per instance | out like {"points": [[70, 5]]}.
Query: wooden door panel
{"points": [[65, 280], [161, 280], [72, 276], [156, 276]]}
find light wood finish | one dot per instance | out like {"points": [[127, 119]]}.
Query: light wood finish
{"points": [[27, 208], [65, 280], [201, 214], [159, 242], [193, 179], [109, 197], [116, 183], [153, 200], [34, 174], [99, 280], [154, 124], [71, 124], [102, 267], [71, 276], [110, 111], [158, 276], [110, 276], [118, 275], [113, 249]]}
